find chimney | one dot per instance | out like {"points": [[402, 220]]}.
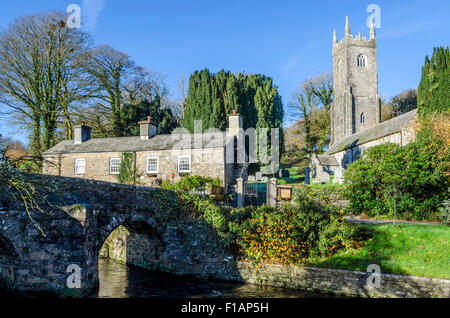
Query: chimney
{"points": [[235, 122], [147, 128], [81, 133]]}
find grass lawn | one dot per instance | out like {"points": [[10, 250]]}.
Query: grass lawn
{"points": [[420, 250], [294, 178], [327, 185], [320, 185]]}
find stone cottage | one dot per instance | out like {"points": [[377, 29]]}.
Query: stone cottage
{"points": [[156, 157], [356, 109]]}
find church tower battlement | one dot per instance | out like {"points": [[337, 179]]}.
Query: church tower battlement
{"points": [[356, 104]]}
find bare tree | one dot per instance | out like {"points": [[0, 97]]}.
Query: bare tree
{"points": [[111, 68], [39, 74], [311, 102], [405, 102], [145, 85], [399, 104], [183, 88], [322, 87]]}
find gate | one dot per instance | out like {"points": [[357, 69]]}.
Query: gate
{"points": [[255, 193]]}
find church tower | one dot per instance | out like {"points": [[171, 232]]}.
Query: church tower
{"points": [[356, 105]]}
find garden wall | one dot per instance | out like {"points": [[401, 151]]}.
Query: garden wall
{"points": [[343, 282]]}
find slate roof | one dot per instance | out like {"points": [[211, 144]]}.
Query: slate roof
{"points": [[326, 160], [134, 143], [385, 128]]}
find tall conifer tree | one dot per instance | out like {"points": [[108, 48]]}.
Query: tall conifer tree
{"points": [[434, 88]]}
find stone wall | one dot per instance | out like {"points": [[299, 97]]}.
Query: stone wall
{"points": [[39, 263], [342, 282]]}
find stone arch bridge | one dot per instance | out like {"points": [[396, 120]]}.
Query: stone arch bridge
{"points": [[140, 225]]}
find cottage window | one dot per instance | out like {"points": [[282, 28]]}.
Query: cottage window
{"points": [[80, 165], [114, 164], [184, 164], [152, 165], [361, 60]]}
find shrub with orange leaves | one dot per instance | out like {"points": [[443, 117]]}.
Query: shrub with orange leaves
{"points": [[272, 243], [293, 233], [434, 131]]}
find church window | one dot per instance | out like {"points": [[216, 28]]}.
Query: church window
{"points": [[361, 60], [357, 154], [363, 118]]}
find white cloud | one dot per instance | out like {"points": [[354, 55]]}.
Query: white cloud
{"points": [[90, 9]]}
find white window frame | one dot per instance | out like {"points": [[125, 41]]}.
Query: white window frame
{"points": [[157, 165], [77, 165], [110, 165], [179, 163]]}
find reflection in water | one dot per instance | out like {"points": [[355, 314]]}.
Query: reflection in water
{"points": [[120, 281]]}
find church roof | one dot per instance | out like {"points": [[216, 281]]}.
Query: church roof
{"points": [[134, 143], [383, 129], [327, 160]]}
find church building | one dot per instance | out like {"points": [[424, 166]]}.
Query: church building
{"points": [[356, 109]]}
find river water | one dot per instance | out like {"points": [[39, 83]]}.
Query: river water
{"points": [[120, 281]]}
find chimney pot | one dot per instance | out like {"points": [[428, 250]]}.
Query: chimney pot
{"points": [[81, 134], [235, 122], [147, 128]]}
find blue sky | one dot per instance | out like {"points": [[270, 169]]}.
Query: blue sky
{"points": [[289, 40]]}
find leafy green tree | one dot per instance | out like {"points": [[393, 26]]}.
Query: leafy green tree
{"points": [[408, 182], [211, 97], [434, 88], [133, 113]]}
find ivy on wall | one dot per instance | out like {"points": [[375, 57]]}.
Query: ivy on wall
{"points": [[127, 173]]}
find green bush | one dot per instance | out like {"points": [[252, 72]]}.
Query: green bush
{"points": [[265, 234], [291, 234], [205, 208], [326, 195], [191, 183], [444, 216], [408, 182]]}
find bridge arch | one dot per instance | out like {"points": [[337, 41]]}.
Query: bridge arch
{"points": [[134, 243]]}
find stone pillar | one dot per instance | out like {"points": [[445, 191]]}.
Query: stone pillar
{"points": [[240, 192], [307, 172], [272, 192]]}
